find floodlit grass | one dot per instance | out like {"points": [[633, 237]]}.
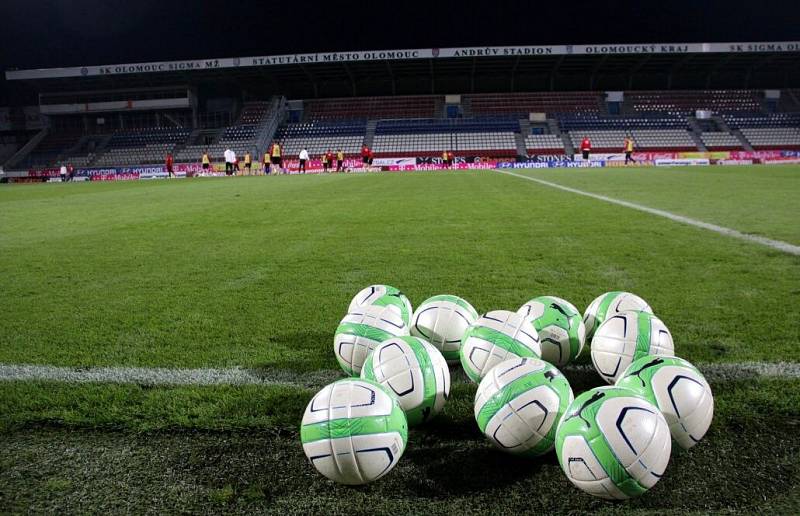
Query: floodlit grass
{"points": [[257, 272], [760, 200]]}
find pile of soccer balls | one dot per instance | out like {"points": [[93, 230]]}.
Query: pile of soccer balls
{"points": [[613, 441]]}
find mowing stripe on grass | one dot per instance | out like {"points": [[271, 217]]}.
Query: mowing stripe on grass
{"points": [[767, 242], [715, 372]]}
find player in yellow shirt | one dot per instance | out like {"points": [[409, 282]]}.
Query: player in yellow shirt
{"points": [[628, 148], [339, 160], [248, 163], [324, 158], [276, 156], [206, 162]]}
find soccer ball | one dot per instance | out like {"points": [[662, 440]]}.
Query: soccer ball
{"points": [[607, 305], [353, 431], [442, 321], [383, 295], [519, 403], [678, 389], [414, 371], [612, 443], [363, 329], [625, 337], [495, 337], [561, 330]]}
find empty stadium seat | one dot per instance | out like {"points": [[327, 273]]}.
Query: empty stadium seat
{"points": [[420, 106], [520, 104], [720, 141], [687, 102], [773, 137]]}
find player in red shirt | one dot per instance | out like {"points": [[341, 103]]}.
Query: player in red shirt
{"points": [[365, 155], [370, 157], [586, 147], [169, 165], [450, 159]]}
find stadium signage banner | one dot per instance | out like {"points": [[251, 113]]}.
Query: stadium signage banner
{"points": [[688, 162], [552, 164], [404, 54]]}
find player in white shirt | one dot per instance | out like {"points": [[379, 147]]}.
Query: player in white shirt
{"points": [[63, 172], [230, 158], [303, 159]]}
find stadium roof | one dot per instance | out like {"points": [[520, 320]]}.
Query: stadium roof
{"points": [[455, 70]]}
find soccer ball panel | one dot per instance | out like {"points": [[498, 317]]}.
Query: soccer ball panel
{"points": [[383, 295], [625, 337], [609, 304], [355, 460], [584, 470], [353, 431], [495, 337], [414, 371], [442, 321], [359, 332], [626, 435], [519, 403]]}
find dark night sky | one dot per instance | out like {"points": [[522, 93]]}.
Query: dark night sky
{"points": [[49, 33]]}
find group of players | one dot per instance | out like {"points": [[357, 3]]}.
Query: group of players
{"points": [[273, 161], [627, 148]]}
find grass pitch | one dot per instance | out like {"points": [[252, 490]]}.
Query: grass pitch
{"points": [[257, 272]]}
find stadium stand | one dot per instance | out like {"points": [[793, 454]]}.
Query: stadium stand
{"points": [[240, 137], [544, 144], [584, 122], [48, 151], [141, 146], [755, 120], [773, 137], [320, 136], [687, 102], [720, 141], [494, 136], [492, 125], [420, 106], [521, 104], [645, 140]]}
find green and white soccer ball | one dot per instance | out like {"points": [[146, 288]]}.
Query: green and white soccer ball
{"points": [[625, 337], [519, 403], [415, 372], [612, 443], [678, 389], [497, 337], [363, 329], [609, 304], [353, 431], [383, 295], [561, 329], [442, 321]]}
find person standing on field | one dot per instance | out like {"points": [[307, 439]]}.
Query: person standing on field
{"points": [[268, 161], [303, 159], [276, 156], [339, 160], [628, 148], [365, 155], [63, 173], [324, 158], [586, 148], [168, 164], [248, 163], [230, 159], [206, 162]]}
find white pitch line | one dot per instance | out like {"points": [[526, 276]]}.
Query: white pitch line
{"points": [[767, 242], [715, 372]]}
